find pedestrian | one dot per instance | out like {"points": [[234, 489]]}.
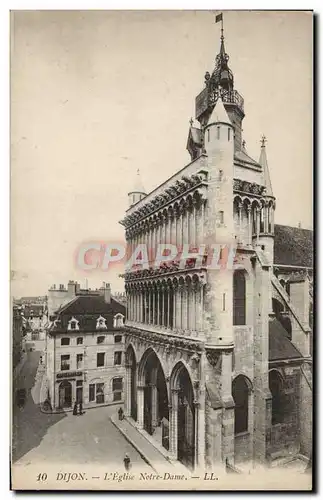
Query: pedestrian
{"points": [[120, 413], [75, 408], [41, 360], [80, 408], [127, 462]]}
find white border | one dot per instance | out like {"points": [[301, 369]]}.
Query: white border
{"points": [[4, 169]]}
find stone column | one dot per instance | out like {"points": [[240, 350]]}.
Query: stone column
{"points": [[174, 307], [249, 225], [154, 404], [158, 305], [194, 226], [240, 222], [140, 406], [258, 223], [184, 315], [127, 399], [149, 306], [163, 307], [173, 423], [200, 430], [154, 304], [168, 307]]}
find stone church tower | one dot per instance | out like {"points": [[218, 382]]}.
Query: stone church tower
{"points": [[211, 374]]}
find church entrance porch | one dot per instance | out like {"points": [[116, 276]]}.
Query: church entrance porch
{"points": [[156, 412]]}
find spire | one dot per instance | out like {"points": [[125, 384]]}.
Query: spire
{"points": [[219, 114], [138, 185], [263, 162]]}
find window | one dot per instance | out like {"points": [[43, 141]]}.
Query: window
{"points": [[101, 323], [65, 341], [79, 361], [218, 132], [276, 389], [117, 339], [117, 358], [240, 394], [229, 134], [118, 320], [100, 340], [208, 135], [100, 393], [100, 359], [65, 362], [73, 324], [221, 217], [117, 389], [79, 340], [262, 220], [79, 383], [96, 393], [91, 392], [239, 298]]}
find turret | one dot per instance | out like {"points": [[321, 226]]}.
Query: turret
{"points": [[221, 82], [266, 234], [138, 192], [219, 147]]}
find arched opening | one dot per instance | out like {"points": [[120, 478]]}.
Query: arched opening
{"points": [[239, 298], [65, 394], [156, 411], [240, 394], [278, 399], [131, 365], [185, 417]]}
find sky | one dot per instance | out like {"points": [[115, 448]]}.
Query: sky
{"points": [[95, 95]]}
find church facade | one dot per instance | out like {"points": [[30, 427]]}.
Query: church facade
{"points": [[218, 358]]}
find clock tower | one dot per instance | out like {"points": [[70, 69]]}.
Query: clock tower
{"points": [[221, 83]]}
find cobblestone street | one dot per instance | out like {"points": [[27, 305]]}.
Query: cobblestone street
{"points": [[64, 438]]}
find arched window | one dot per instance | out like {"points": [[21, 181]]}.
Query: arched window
{"points": [[240, 394], [276, 389], [239, 298], [262, 220]]}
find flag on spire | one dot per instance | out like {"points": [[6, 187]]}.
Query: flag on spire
{"points": [[219, 18]]}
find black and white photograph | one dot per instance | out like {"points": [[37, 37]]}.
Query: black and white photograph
{"points": [[162, 283]]}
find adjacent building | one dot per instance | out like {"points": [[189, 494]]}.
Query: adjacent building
{"points": [[85, 349], [218, 361]]}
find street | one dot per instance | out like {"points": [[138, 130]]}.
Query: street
{"points": [[64, 438]]}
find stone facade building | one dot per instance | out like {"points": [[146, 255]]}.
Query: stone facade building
{"points": [[85, 350], [212, 374]]}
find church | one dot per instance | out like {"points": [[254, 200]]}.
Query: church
{"points": [[218, 364]]}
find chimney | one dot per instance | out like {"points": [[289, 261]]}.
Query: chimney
{"points": [[71, 289], [299, 225], [61, 287], [107, 293]]}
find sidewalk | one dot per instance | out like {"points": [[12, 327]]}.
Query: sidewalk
{"points": [[149, 452]]}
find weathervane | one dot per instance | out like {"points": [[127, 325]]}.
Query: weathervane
{"points": [[263, 141], [219, 18]]}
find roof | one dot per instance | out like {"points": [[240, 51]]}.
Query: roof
{"points": [[196, 135], [280, 347], [293, 246], [33, 310], [219, 114], [87, 309], [265, 170], [242, 156], [138, 185]]}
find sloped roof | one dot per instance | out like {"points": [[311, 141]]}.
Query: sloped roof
{"points": [[293, 246], [219, 114], [87, 309], [196, 135], [280, 347], [242, 156]]}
